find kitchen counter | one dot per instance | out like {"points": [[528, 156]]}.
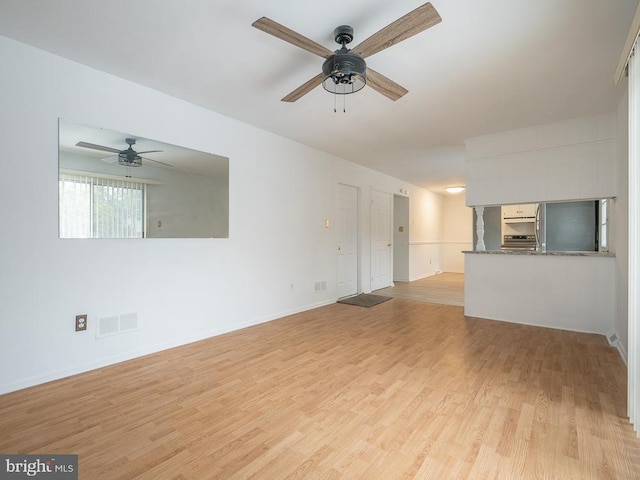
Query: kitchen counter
{"points": [[542, 254]]}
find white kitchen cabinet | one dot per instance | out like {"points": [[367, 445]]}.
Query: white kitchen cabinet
{"points": [[519, 213]]}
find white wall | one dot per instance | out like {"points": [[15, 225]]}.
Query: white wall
{"points": [[620, 239], [458, 233], [570, 160], [426, 232], [183, 290]]}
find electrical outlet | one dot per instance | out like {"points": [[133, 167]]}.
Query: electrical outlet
{"points": [[81, 322]]}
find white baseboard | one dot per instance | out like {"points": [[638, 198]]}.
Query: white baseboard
{"points": [[614, 341], [623, 354], [482, 316], [420, 277]]}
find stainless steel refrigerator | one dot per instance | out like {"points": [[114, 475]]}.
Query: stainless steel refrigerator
{"points": [[571, 226]]}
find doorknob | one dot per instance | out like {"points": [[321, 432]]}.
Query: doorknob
{"points": [[339, 248], [388, 244]]}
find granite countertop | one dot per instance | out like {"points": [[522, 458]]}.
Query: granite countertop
{"points": [[544, 254]]}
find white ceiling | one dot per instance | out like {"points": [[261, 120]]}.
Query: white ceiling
{"points": [[490, 66]]}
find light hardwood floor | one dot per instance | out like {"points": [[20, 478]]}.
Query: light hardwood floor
{"points": [[444, 288], [402, 390]]}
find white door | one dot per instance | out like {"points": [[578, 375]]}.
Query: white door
{"points": [[347, 233], [380, 240]]}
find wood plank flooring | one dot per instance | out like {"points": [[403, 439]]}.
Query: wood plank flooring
{"points": [[444, 288], [402, 390]]}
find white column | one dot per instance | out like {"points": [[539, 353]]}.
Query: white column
{"points": [[480, 247]]}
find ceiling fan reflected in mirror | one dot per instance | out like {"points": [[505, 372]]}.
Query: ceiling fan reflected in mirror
{"points": [[127, 157], [345, 70]]}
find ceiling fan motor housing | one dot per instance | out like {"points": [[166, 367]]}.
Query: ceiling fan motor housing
{"points": [[343, 34]]}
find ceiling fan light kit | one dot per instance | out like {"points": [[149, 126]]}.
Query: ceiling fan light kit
{"points": [[130, 160], [345, 71]]}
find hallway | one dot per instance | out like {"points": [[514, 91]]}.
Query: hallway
{"points": [[444, 288]]}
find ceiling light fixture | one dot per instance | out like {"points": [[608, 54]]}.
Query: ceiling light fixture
{"points": [[455, 189]]}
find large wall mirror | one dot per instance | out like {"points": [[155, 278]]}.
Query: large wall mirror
{"points": [[119, 185]]}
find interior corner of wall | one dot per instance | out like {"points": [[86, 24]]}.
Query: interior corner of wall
{"points": [[623, 353]]}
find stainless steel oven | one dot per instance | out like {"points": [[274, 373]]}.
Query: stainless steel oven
{"points": [[519, 242]]}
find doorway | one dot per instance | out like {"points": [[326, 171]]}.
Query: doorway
{"points": [[347, 236]]}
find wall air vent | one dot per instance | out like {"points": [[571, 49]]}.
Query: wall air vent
{"points": [[107, 326], [115, 324], [128, 321]]}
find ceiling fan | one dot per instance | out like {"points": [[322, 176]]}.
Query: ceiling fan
{"points": [[345, 71], [127, 157]]}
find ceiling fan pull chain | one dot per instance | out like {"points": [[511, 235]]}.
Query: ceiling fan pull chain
{"points": [[344, 104]]}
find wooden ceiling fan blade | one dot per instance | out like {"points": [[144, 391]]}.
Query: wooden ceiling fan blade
{"points": [[93, 146], [411, 24], [384, 85], [157, 161], [303, 89], [294, 38]]}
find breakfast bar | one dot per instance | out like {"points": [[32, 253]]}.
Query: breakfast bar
{"points": [[567, 290]]}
